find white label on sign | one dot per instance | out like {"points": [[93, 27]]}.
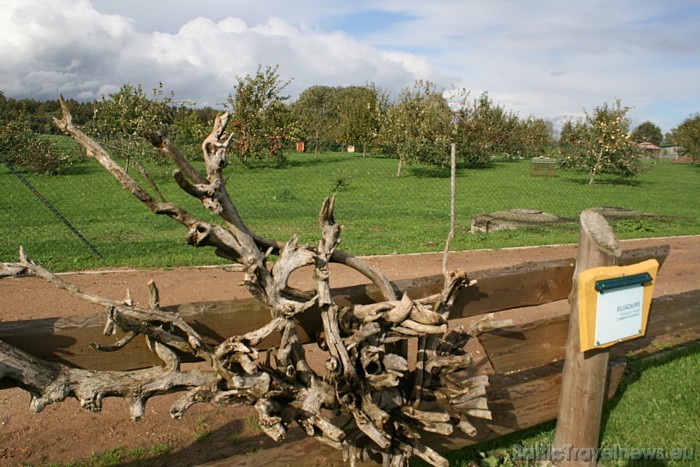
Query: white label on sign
{"points": [[619, 314]]}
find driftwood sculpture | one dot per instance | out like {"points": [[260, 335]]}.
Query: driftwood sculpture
{"points": [[383, 404]]}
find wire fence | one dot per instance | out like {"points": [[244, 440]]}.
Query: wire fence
{"points": [[85, 218]]}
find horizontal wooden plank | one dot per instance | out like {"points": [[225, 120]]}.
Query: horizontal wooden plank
{"points": [[675, 318], [527, 345], [67, 339], [540, 342], [523, 400], [526, 284]]}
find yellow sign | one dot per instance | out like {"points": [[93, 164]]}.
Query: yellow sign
{"points": [[614, 302]]}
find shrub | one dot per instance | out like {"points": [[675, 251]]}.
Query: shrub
{"points": [[23, 148]]}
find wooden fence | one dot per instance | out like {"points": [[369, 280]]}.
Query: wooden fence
{"points": [[524, 361]]}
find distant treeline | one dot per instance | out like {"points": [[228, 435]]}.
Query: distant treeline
{"points": [[39, 114]]}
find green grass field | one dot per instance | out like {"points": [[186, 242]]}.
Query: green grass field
{"points": [[381, 214]]}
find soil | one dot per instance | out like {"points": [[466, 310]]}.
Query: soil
{"points": [[65, 432]]}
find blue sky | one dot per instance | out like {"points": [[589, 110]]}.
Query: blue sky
{"points": [[552, 58]]}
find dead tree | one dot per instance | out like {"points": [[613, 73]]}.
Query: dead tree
{"points": [[367, 378]]}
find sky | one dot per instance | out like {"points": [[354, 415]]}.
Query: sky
{"points": [[551, 59]]}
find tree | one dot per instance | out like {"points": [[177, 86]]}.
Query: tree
{"points": [[358, 111], [314, 112], [484, 130], [260, 122], [121, 120], [418, 126], [532, 138], [647, 132], [570, 134], [188, 125], [38, 114], [601, 143], [343, 115], [687, 135]]}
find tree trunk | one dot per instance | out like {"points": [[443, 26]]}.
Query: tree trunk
{"points": [[584, 374], [594, 169], [591, 179], [318, 140], [400, 168]]}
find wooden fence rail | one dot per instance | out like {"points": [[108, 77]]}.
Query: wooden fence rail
{"points": [[524, 361], [67, 340]]}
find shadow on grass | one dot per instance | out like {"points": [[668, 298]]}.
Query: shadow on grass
{"points": [[296, 161], [633, 373], [617, 181], [87, 167], [427, 171], [308, 160], [637, 365], [501, 447], [430, 172]]}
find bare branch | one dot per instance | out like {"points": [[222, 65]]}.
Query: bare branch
{"points": [[367, 373], [213, 196], [165, 145], [54, 382]]}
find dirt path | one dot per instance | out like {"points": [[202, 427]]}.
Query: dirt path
{"points": [[65, 432]]}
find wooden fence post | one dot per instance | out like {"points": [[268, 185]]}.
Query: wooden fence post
{"points": [[584, 374]]}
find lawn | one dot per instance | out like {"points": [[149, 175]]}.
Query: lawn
{"points": [[381, 214]]}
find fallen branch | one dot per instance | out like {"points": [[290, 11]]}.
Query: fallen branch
{"points": [[367, 374]]}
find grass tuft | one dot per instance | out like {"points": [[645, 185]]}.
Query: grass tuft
{"points": [[253, 423]]}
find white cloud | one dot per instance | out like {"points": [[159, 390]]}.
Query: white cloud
{"points": [[547, 58], [55, 46], [68, 46]]}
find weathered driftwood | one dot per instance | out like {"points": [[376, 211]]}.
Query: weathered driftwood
{"points": [[524, 392], [517, 401], [367, 375]]}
